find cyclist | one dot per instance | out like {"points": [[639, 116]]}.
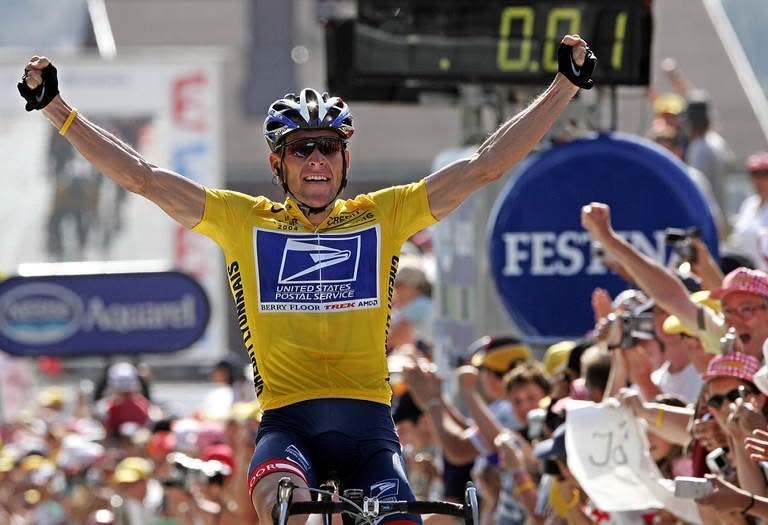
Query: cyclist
{"points": [[312, 277]]}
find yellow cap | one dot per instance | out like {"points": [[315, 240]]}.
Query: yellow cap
{"points": [[499, 359], [32, 497], [53, 396], [33, 462], [556, 357], [673, 325], [132, 469], [671, 103], [6, 463]]}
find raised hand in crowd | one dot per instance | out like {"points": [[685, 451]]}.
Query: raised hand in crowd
{"points": [[744, 418], [709, 433], [704, 265], [424, 383], [601, 304], [757, 445], [467, 377], [425, 387]]}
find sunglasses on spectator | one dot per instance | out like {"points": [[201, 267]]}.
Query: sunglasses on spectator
{"points": [[745, 312], [303, 148], [716, 401]]}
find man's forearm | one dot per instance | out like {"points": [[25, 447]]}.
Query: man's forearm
{"points": [[109, 155], [748, 472], [487, 424], [669, 423], [652, 277], [456, 448], [509, 144]]}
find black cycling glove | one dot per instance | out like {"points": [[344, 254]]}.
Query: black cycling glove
{"points": [[579, 76], [42, 95]]}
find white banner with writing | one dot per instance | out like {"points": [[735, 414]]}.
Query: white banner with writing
{"points": [[608, 455]]}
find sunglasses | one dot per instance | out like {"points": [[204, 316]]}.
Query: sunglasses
{"points": [[303, 148], [716, 401]]}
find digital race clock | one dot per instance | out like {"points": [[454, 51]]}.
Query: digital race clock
{"points": [[447, 42]]}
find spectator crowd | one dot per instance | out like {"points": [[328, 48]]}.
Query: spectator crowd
{"points": [[111, 454], [681, 351]]}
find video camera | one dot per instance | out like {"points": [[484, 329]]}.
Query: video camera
{"points": [[185, 468], [636, 325], [680, 240]]}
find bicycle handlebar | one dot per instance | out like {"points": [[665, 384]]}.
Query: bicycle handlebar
{"points": [[370, 508], [384, 507]]}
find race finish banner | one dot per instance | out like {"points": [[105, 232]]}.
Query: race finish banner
{"points": [[58, 209], [543, 262]]}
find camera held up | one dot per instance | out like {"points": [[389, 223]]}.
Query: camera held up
{"points": [[680, 240]]}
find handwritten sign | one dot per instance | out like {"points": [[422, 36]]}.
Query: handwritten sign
{"points": [[608, 455]]}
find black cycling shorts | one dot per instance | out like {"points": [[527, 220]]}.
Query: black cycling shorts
{"points": [[350, 440]]}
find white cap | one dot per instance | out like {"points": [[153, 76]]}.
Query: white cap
{"points": [[123, 377]]}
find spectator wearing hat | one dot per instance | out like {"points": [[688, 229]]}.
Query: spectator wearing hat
{"points": [[677, 374], [655, 361], [744, 299], [737, 405], [562, 366], [688, 337], [125, 404], [142, 494], [669, 110], [491, 358], [743, 293], [750, 228]]}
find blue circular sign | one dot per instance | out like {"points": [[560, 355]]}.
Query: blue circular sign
{"points": [[541, 257]]}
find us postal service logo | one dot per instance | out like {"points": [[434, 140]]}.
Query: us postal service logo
{"points": [[317, 272]]}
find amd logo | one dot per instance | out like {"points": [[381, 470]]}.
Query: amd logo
{"points": [[567, 253]]}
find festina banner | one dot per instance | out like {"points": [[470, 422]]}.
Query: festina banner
{"points": [[542, 259]]}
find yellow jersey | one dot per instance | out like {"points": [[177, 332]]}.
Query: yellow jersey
{"points": [[313, 303]]}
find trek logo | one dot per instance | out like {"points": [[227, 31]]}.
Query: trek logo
{"points": [[317, 272], [385, 490]]}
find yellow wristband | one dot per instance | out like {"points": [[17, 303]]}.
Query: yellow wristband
{"points": [[659, 417], [68, 122], [528, 485], [574, 500]]}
